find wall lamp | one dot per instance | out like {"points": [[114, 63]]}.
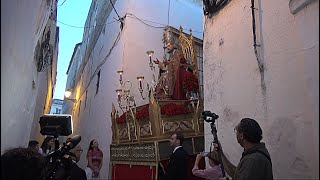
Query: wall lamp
{"points": [[67, 94], [212, 6]]}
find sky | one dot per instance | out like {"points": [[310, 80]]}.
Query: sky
{"points": [[72, 14]]}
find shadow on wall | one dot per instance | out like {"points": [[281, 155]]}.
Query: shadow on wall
{"points": [[232, 117], [287, 161]]}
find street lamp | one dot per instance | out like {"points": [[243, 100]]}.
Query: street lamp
{"points": [[67, 94]]}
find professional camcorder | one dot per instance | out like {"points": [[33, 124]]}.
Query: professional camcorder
{"points": [[58, 166], [208, 116]]}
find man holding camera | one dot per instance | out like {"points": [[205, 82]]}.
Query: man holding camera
{"points": [[76, 172], [255, 162]]}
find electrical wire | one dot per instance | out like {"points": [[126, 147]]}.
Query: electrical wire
{"points": [[168, 12], [62, 3], [115, 9], [87, 26], [143, 21]]}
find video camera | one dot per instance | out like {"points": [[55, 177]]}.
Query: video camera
{"points": [[208, 116], [57, 165]]}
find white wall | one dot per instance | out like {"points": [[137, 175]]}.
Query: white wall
{"points": [[94, 121], [22, 23], [288, 110]]}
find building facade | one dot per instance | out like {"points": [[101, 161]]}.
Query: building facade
{"points": [[263, 63], [56, 107], [29, 48], [111, 45]]}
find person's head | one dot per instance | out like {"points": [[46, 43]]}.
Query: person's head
{"points": [[93, 145], [77, 152], [248, 131], [33, 144], [176, 139], [213, 158], [48, 143], [169, 40], [22, 164]]}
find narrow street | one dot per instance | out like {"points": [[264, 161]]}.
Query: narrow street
{"points": [[116, 87]]}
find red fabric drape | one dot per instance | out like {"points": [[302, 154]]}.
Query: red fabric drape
{"points": [[178, 92], [125, 172]]}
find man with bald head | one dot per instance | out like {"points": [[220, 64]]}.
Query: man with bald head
{"points": [[76, 172]]}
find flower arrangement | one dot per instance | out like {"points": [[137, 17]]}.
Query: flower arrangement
{"points": [[174, 109], [190, 82], [143, 112], [121, 119]]}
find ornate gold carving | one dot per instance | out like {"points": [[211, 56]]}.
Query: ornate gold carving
{"points": [[172, 126], [158, 127], [133, 152], [123, 132], [145, 129]]}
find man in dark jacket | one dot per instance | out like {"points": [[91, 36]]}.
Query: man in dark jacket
{"points": [[255, 162], [76, 172], [177, 167]]}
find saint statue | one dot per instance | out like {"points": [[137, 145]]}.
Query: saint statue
{"points": [[171, 70]]}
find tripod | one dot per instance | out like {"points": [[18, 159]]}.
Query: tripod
{"points": [[215, 140]]}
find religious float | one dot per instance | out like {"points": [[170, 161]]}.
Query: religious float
{"points": [[140, 147]]}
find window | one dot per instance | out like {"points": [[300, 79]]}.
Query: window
{"points": [[199, 56], [58, 111], [98, 83]]}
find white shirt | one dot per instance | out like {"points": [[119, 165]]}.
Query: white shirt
{"points": [[176, 149]]}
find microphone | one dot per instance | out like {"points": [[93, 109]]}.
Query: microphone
{"points": [[66, 147], [72, 143]]}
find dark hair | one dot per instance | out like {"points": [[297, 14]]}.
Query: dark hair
{"points": [[90, 145], [251, 130], [91, 148], [32, 144], [180, 137], [22, 164], [45, 145]]}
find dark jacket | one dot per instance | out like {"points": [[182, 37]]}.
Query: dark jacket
{"points": [[255, 164], [177, 167], [77, 173]]}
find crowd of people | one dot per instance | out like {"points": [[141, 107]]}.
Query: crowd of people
{"points": [[29, 163], [255, 163]]}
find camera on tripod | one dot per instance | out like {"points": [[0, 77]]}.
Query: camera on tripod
{"points": [[208, 116], [57, 165]]}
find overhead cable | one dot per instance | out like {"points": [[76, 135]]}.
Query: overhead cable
{"points": [[62, 3], [87, 26]]}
